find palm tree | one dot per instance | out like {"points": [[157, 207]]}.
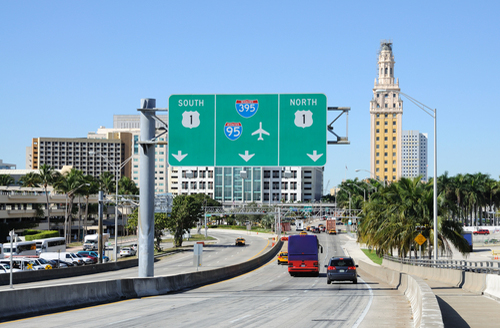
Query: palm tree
{"points": [[127, 187], [68, 184], [48, 175], [6, 180], [106, 182], [91, 188], [30, 180]]}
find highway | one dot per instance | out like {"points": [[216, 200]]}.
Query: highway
{"points": [[221, 254], [268, 296]]}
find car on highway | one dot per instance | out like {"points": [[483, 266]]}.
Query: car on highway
{"points": [[482, 232], [341, 269], [240, 241], [283, 258], [127, 251]]}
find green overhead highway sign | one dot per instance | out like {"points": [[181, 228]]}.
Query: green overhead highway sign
{"points": [[247, 130]]}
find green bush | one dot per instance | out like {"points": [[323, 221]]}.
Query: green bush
{"points": [[42, 235]]}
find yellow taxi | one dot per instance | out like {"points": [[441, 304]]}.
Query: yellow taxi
{"points": [[240, 241], [308, 228], [283, 258], [303, 233], [332, 232]]}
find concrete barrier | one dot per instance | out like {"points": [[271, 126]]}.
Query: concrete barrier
{"points": [[424, 305], [492, 286], [33, 301], [41, 275], [474, 282]]}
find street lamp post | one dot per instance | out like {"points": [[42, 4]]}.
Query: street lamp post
{"points": [[117, 169], [364, 190], [349, 204], [372, 175], [432, 113]]}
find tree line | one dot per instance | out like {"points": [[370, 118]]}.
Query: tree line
{"points": [[391, 214], [73, 183]]}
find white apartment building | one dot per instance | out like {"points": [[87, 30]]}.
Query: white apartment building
{"points": [[75, 152], [414, 154], [237, 185]]}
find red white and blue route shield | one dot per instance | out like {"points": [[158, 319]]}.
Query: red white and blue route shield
{"points": [[233, 130], [247, 108]]}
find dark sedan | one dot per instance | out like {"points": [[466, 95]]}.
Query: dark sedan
{"points": [[341, 269]]}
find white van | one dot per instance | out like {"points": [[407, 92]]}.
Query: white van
{"points": [[64, 256]]}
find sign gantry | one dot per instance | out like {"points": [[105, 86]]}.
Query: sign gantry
{"points": [[247, 130]]}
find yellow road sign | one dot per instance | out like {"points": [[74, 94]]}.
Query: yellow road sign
{"points": [[420, 239]]}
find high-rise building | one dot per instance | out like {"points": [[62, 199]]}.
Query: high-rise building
{"points": [[414, 154], [386, 111]]}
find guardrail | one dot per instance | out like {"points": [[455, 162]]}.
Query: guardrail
{"points": [[488, 267]]}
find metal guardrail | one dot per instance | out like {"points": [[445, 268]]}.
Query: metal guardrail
{"points": [[489, 267]]}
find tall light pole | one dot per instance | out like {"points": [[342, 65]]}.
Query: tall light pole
{"points": [[432, 113], [349, 203], [117, 169], [364, 190], [372, 175]]}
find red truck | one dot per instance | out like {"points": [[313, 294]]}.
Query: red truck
{"points": [[303, 255], [331, 226]]}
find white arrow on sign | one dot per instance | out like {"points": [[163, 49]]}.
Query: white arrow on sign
{"points": [[314, 156], [246, 157], [179, 156]]}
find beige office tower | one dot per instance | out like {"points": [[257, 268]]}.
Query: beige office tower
{"points": [[386, 111]]}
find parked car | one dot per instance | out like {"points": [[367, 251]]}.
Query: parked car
{"points": [[283, 258], [89, 255], [4, 268], [127, 251], [240, 241], [95, 254], [134, 247], [482, 232], [61, 264], [340, 269]]}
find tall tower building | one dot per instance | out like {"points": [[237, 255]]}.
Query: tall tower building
{"points": [[386, 112]]}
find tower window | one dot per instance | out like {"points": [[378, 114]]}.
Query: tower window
{"points": [[385, 105], [386, 70], [385, 130]]}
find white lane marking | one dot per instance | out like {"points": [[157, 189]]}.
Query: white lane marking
{"points": [[286, 299], [241, 318], [113, 323], [365, 311]]}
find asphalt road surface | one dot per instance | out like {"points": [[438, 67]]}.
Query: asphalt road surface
{"points": [[221, 254], [265, 297]]}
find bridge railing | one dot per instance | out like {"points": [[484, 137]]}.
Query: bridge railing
{"points": [[489, 267]]}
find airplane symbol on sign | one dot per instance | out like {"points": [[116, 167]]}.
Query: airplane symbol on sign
{"points": [[260, 132]]}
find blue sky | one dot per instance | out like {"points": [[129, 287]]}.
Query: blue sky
{"points": [[67, 67]]}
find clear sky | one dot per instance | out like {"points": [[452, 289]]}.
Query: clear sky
{"points": [[68, 66]]}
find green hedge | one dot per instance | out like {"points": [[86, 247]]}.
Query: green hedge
{"points": [[42, 235]]}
